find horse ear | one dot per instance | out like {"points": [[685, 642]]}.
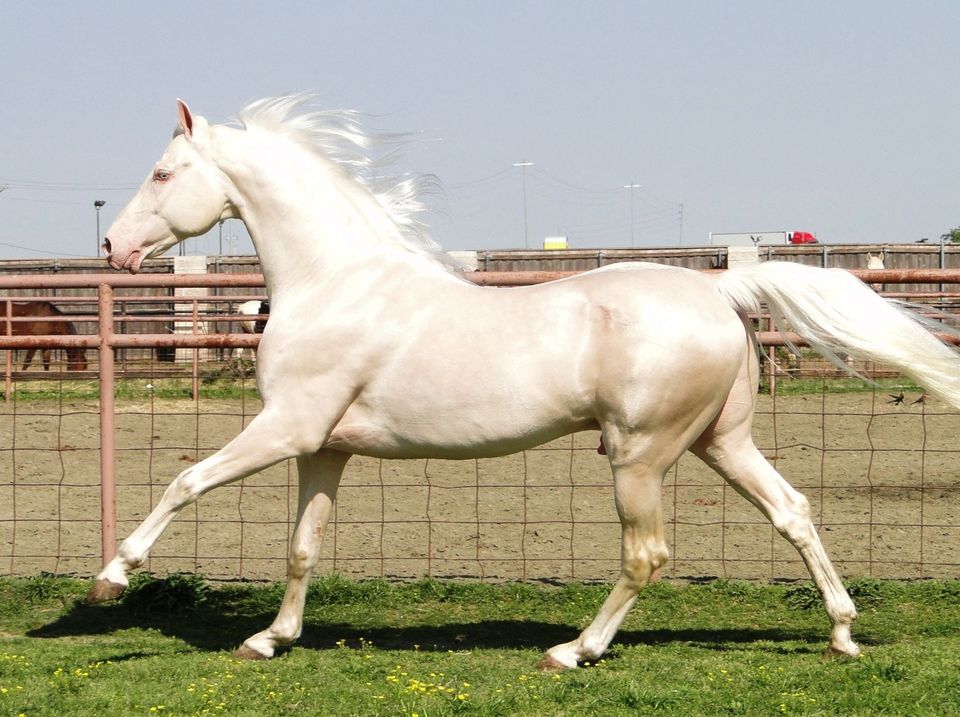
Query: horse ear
{"points": [[186, 117], [194, 126]]}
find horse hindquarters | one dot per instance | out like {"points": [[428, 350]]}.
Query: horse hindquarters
{"points": [[645, 431]]}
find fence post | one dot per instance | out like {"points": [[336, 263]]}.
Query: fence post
{"points": [[8, 359], [186, 323], [108, 476]]}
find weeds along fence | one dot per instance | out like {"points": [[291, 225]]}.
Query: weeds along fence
{"points": [[84, 456]]}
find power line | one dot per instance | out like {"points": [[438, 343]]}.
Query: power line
{"points": [[36, 185], [45, 252]]}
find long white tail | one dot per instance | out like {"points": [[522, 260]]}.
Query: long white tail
{"points": [[837, 314]]}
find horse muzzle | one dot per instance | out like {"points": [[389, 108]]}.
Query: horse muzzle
{"points": [[129, 260]]}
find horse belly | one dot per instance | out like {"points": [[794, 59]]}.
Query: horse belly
{"points": [[475, 427]]}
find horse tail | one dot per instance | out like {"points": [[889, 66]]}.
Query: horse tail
{"points": [[837, 314]]}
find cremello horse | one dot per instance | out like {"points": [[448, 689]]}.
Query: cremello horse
{"points": [[371, 336]]}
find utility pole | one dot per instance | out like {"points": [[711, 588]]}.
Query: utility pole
{"points": [[681, 223], [632, 186], [523, 178], [98, 205]]}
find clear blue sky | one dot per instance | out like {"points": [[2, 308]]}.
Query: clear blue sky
{"points": [[833, 117]]}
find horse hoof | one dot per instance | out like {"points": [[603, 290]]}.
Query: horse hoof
{"points": [[835, 653], [248, 653], [549, 664], [104, 590]]}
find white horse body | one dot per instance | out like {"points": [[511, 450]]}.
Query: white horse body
{"points": [[374, 347], [596, 340]]}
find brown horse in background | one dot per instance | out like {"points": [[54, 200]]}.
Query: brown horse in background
{"points": [[43, 311]]}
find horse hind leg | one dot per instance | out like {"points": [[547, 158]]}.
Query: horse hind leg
{"points": [[728, 448], [643, 553]]}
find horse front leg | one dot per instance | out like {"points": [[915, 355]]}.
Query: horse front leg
{"points": [[319, 478], [268, 439]]}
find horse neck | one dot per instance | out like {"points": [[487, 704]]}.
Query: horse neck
{"points": [[310, 224]]}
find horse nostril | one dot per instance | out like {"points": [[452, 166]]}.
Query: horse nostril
{"points": [[106, 247]]}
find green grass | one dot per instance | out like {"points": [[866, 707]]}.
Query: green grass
{"points": [[432, 648], [787, 386], [211, 387], [220, 384]]}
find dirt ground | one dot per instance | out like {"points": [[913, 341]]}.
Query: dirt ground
{"points": [[882, 480]]}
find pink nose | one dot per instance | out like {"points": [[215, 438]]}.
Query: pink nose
{"points": [[106, 247]]}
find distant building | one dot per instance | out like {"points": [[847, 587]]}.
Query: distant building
{"points": [[555, 243]]}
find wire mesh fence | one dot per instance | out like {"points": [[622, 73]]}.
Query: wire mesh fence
{"points": [[879, 468]]}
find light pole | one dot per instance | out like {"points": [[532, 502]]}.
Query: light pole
{"points": [[98, 205], [523, 178], [631, 187]]}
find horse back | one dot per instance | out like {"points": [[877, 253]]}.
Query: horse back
{"points": [[40, 310]]}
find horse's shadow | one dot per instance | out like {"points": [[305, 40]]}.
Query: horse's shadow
{"points": [[206, 628]]}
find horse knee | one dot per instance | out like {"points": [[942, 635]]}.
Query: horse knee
{"points": [[185, 489]]}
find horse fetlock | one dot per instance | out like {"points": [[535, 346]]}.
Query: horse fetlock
{"points": [[283, 631], [843, 614], [591, 648], [128, 558]]}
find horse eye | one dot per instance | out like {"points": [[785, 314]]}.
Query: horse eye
{"points": [[161, 175]]}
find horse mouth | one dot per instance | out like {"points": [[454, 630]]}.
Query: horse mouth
{"points": [[131, 263]]}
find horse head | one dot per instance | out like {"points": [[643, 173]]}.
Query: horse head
{"points": [[76, 360], [185, 195]]}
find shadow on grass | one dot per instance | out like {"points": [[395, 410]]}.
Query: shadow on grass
{"points": [[210, 628]]}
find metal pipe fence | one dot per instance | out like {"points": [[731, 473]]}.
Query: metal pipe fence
{"points": [[84, 467]]}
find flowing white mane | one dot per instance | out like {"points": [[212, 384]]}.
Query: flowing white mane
{"points": [[339, 136]]}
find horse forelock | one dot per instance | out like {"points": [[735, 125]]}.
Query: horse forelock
{"points": [[339, 136]]}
